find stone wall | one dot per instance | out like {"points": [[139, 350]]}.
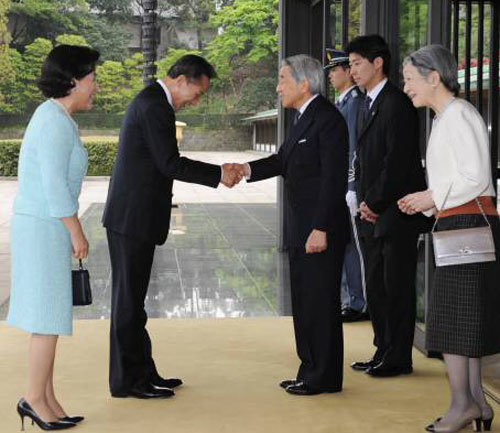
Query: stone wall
{"points": [[217, 140]]}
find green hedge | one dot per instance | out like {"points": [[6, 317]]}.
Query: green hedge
{"points": [[102, 153], [114, 120]]}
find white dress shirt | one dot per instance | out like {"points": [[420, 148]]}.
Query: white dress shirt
{"points": [[343, 95], [167, 92], [458, 157], [306, 104], [372, 94]]}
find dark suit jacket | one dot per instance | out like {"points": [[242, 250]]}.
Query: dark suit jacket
{"points": [[389, 163], [140, 191], [313, 162]]}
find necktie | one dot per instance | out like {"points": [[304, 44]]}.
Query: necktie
{"points": [[296, 118], [368, 102]]}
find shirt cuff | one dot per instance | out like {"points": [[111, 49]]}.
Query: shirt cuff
{"points": [[249, 170]]}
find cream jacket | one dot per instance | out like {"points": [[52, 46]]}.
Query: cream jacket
{"points": [[458, 157]]}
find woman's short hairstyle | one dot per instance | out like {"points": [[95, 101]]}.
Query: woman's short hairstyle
{"points": [[436, 58], [63, 65], [193, 67], [305, 67], [370, 47]]}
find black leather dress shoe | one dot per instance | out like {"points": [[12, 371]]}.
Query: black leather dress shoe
{"points": [[146, 391], [73, 419], [350, 315], [171, 382], [364, 365], [300, 388], [287, 382], [387, 370]]}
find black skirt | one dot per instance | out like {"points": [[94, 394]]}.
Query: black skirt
{"points": [[464, 303]]}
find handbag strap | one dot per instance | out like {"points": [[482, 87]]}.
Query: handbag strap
{"points": [[81, 264], [480, 206]]}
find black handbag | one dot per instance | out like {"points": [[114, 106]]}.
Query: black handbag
{"points": [[82, 295]]}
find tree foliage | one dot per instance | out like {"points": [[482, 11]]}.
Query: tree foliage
{"points": [[258, 94], [248, 34], [109, 37], [12, 90], [243, 48], [72, 40], [248, 27], [111, 79], [31, 19], [118, 83], [7, 74], [33, 58]]}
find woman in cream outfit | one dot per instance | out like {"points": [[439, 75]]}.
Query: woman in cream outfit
{"points": [[463, 319], [45, 229]]}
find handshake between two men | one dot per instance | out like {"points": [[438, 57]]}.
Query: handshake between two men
{"points": [[232, 173]]}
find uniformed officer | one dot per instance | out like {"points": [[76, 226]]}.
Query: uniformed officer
{"points": [[349, 103]]}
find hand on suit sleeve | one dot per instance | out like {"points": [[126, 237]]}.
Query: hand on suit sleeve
{"points": [[232, 174]]}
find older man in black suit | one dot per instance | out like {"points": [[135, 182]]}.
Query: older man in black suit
{"points": [[137, 216], [388, 167], [313, 160]]}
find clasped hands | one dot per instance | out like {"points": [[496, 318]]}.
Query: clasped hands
{"points": [[410, 204], [232, 173], [421, 201], [367, 214]]}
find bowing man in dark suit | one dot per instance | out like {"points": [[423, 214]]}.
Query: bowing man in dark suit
{"points": [[388, 167], [313, 162], [137, 216]]}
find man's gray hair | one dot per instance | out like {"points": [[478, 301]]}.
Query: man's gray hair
{"points": [[305, 67], [436, 58]]}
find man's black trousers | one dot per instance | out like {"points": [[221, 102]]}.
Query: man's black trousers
{"points": [[391, 264], [315, 285], [131, 362]]}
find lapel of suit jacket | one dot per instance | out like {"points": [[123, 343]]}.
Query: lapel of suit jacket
{"points": [[162, 96], [374, 110], [304, 122]]}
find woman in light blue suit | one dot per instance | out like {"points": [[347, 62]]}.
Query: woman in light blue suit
{"points": [[45, 229]]}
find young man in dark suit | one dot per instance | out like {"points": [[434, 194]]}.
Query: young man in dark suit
{"points": [[137, 216], [388, 167], [313, 162], [349, 102]]}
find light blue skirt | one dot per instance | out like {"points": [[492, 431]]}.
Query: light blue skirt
{"points": [[41, 297]]}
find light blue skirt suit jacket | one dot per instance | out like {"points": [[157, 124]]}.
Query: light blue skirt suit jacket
{"points": [[52, 165]]}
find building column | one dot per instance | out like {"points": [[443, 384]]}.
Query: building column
{"points": [[382, 17]]}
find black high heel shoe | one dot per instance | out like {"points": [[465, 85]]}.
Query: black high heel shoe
{"points": [[487, 424], [24, 409], [73, 419], [488, 421]]}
